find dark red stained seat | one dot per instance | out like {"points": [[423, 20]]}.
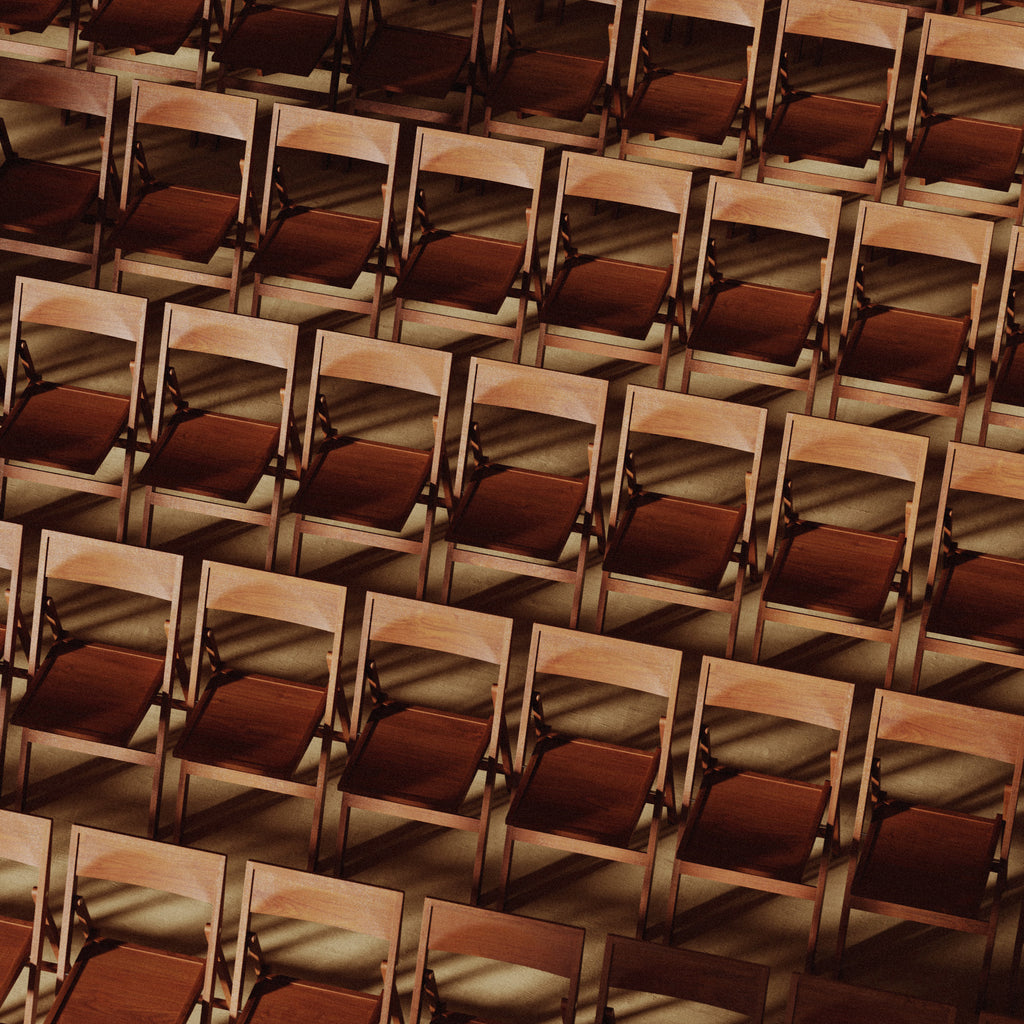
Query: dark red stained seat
{"points": [[35, 17]]}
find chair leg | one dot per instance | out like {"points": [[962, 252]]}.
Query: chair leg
{"points": [[670, 911], [339, 867], [844, 917], [602, 604], [147, 519], [449, 570], [24, 764], [180, 805], [293, 567], [506, 870]]}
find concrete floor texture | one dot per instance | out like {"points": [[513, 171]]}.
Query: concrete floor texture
{"points": [[426, 861]]}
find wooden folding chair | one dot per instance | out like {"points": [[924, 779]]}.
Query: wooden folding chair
{"points": [[183, 223], [669, 96], [672, 546], [35, 17], [682, 975], [25, 839], [418, 65], [601, 292], [277, 42], [755, 828], [210, 459], [972, 607], [886, 350], [848, 130], [162, 27], [947, 141], [252, 729], [459, 270], [581, 793], [59, 427], [813, 999], [12, 628], [417, 754], [737, 326], [121, 981], [540, 946], [42, 202], [829, 576], [1004, 392], [932, 864], [363, 483], [555, 92], [519, 518], [330, 246], [328, 903]]}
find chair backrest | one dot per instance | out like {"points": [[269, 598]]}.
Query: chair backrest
{"points": [[868, 24], [683, 974], [813, 999], [1008, 308], [332, 902], [509, 938]]}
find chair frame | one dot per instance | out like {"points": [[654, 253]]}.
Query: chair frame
{"points": [[651, 188], [65, 54], [14, 631], [735, 201], [881, 226]]}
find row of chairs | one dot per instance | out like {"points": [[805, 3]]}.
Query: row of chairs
{"points": [[121, 979]]}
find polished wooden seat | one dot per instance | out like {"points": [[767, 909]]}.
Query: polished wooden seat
{"points": [[581, 791], [972, 606], [886, 350], [330, 246], [754, 828], [950, 143], [671, 97], [849, 132], [276, 41], [363, 484], [123, 980], [1004, 392], [600, 292], [539, 946], [517, 517], [672, 543], [680, 974], [211, 460], [284, 894], [61, 429], [416, 754], [177, 221], [740, 327], [813, 999], [89, 695], [35, 17], [452, 270], [425, 69], [25, 839], [254, 729], [926, 862]]}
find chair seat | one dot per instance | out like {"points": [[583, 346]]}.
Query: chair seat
{"points": [[519, 511], [966, 151], [29, 15], [321, 246], [685, 106], [277, 999], [548, 84], [411, 60], [62, 426], [211, 454], [465, 271], [830, 569], [926, 858], [91, 691], [591, 293], [755, 824], [15, 943], [1009, 387], [161, 28], [418, 756], [365, 482], [754, 321], [44, 200], [675, 540], [180, 223], [276, 40], [583, 789], [252, 723], [978, 597], [833, 129], [905, 347], [119, 983]]}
